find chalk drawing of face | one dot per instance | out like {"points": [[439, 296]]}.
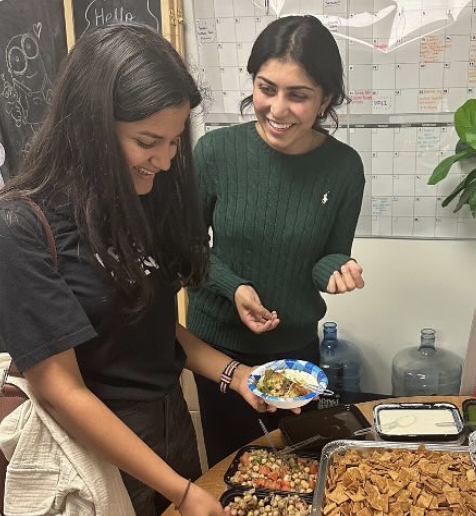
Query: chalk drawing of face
{"points": [[29, 77], [22, 60]]}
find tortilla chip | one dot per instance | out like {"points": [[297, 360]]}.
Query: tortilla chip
{"points": [[329, 507], [401, 482], [338, 496], [417, 511], [424, 500], [471, 475], [364, 512], [359, 496], [453, 497], [393, 487]]}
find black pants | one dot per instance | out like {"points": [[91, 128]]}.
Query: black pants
{"points": [[166, 426], [228, 421]]}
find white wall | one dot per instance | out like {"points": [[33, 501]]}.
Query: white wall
{"points": [[410, 284]]}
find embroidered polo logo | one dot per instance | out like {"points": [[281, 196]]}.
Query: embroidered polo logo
{"points": [[325, 197]]}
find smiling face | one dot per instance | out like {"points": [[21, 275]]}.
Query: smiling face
{"points": [[150, 144], [287, 102]]}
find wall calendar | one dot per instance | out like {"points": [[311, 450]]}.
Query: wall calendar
{"points": [[409, 65]]}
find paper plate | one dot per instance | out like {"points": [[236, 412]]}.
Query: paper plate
{"points": [[298, 365]]}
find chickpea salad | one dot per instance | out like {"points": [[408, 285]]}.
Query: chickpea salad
{"points": [[263, 469], [272, 505]]}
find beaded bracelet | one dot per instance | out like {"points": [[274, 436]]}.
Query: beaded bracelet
{"points": [[227, 375], [177, 507]]}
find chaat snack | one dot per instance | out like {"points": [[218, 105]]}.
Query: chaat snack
{"points": [[261, 468], [400, 482], [270, 505]]}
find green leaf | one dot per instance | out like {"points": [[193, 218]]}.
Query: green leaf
{"points": [[470, 190], [462, 146], [466, 181], [465, 122], [442, 169], [453, 194], [472, 205]]}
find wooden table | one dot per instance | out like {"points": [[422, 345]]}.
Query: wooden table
{"points": [[212, 480]]}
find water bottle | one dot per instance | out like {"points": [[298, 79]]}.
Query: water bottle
{"points": [[425, 370], [340, 360]]}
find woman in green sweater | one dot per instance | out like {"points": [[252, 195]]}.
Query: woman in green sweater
{"points": [[283, 198]]}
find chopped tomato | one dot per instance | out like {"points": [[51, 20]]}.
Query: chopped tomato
{"points": [[284, 485], [264, 470], [272, 472]]}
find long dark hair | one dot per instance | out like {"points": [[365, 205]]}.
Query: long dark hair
{"points": [[306, 41], [120, 73]]}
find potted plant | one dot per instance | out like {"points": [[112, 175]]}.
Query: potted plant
{"points": [[465, 125]]}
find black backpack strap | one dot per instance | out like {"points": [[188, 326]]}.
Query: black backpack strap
{"points": [[50, 238]]}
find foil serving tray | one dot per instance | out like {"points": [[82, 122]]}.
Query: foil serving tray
{"points": [[340, 447]]}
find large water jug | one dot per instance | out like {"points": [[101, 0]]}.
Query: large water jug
{"points": [[340, 360], [425, 370]]}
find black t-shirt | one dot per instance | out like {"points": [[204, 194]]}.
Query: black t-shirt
{"points": [[44, 311]]}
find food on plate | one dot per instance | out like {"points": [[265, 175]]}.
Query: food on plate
{"points": [[261, 468], [271, 505], [286, 383], [400, 482]]}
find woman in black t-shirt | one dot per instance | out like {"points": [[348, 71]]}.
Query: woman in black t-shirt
{"points": [[96, 336]]}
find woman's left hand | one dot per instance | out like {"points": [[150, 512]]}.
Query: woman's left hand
{"points": [[240, 385], [347, 279]]}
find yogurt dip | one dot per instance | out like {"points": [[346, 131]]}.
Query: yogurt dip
{"points": [[417, 421]]}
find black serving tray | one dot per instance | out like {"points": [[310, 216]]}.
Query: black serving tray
{"points": [[228, 496], [233, 468], [412, 436], [332, 423]]}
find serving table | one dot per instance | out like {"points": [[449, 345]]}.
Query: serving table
{"points": [[212, 480]]}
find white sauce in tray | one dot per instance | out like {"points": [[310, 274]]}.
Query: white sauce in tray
{"points": [[419, 421]]}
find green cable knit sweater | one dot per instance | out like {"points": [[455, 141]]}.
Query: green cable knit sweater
{"points": [[282, 223]]}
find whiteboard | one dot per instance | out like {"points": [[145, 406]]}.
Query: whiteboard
{"points": [[409, 65]]}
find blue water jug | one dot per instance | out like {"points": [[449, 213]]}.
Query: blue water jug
{"points": [[340, 360]]}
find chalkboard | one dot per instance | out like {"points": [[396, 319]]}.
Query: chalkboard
{"points": [[4, 170], [92, 13], [32, 43]]}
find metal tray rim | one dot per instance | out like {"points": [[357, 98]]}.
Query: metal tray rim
{"points": [[330, 449]]}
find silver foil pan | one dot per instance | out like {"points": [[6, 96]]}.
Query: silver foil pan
{"points": [[340, 447]]}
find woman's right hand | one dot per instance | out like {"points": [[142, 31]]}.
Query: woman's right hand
{"points": [[252, 313], [200, 503]]}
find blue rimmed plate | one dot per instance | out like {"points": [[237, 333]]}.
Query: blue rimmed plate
{"points": [[317, 376]]}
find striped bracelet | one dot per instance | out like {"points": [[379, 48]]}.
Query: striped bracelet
{"points": [[227, 375]]}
